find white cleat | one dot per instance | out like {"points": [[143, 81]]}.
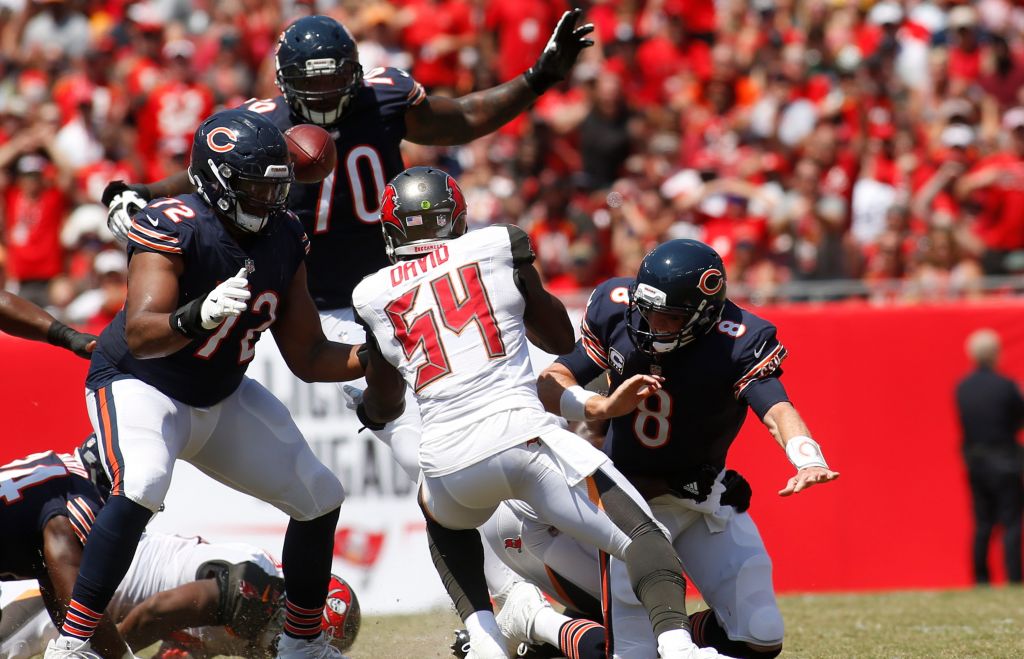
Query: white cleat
{"points": [[318, 648], [689, 652], [63, 647], [515, 620]]}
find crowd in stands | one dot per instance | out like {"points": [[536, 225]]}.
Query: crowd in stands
{"points": [[805, 140]]}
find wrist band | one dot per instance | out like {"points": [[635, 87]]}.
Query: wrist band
{"points": [[803, 451], [187, 320], [364, 419], [573, 403]]}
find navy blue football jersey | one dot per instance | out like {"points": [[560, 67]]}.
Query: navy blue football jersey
{"points": [[208, 369], [708, 386], [33, 491], [341, 214]]}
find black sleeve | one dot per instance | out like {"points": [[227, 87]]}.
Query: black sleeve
{"points": [[522, 250], [763, 393]]}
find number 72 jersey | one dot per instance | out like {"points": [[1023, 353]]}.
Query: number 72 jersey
{"points": [[340, 214], [452, 323]]}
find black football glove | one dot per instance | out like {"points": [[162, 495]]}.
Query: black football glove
{"points": [[123, 201], [77, 342], [737, 491], [560, 53]]}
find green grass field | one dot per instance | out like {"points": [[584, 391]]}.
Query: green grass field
{"points": [[985, 623]]}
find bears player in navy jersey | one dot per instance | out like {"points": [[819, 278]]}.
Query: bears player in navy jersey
{"points": [[369, 114], [208, 273], [47, 509], [714, 360]]}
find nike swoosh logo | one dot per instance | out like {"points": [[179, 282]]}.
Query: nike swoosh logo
{"points": [[757, 353], [153, 220]]}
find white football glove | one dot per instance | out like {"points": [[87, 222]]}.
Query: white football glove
{"points": [[120, 211], [353, 396], [228, 299]]}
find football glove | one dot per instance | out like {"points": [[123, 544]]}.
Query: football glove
{"points": [[122, 202], [737, 491], [80, 343], [560, 53], [228, 299]]}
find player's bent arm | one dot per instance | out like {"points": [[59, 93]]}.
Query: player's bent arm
{"points": [[152, 299], [443, 121], [62, 553], [310, 355], [561, 394], [172, 186], [547, 323], [193, 604], [789, 430], [21, 318], [384, 398]]}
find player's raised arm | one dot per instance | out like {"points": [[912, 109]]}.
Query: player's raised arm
{"points": [[123, 200], [444, 121], [25, 320], [792, 434], [300, 337], [62, 553]]}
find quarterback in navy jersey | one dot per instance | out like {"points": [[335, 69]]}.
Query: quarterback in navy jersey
{"points": [[703, 361], [47, 509], [208, 273]]}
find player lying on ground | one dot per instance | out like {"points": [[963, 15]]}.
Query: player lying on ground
{"points": [[714, 360], [368, 116], [48, 507], [208, 273], [451, 318]]}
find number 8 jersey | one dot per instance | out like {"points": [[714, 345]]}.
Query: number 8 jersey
{"points": [[452, 323], [209, 369]]}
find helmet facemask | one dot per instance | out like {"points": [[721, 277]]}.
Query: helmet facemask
{"points": [[645, 300], [246, 201], [321, 90]]}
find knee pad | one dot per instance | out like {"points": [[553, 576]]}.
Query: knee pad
{"points": [[316, 492]]}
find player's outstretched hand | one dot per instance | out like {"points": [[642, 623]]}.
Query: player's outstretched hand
{"points": [[560, 53], [353, 396], [629, 394], [122, 202], [80, 343], [228, 299], [807, 477]]}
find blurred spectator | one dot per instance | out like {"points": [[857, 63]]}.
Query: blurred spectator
{"points": [[33, 213], [96, 307], [991, 412]]}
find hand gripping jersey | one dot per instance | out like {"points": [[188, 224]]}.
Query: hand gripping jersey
{"points": [[341, 213], [452, 323], [206, 370], [708, 385], [33, 491]]}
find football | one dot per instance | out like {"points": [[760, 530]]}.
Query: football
{"points": [[312, 151]]}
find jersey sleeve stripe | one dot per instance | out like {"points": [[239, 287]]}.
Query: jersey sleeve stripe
{"points": [[417, 94], [595, 356], [776, 356], [160, 248], [152, 234]]}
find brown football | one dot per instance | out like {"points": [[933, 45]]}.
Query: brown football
{"points": [[312, 151]]}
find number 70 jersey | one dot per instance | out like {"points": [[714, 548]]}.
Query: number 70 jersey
{"points": [[451, 322]]}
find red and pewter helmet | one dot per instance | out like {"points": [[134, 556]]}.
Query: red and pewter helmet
{"points": [[420, 207], [341, 619]]}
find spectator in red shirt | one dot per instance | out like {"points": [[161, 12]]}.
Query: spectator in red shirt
{"points": [[997, 183], [520, 29], [438, 31], [34, 210]]}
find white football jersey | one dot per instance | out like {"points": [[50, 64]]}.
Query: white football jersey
{"points": [[162, 562], [452, 323]]}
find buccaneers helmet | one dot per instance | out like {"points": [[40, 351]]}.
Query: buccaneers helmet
{"points": [[341, 618], [420, 207], [318, 69], [680, 277], [240, 166]]}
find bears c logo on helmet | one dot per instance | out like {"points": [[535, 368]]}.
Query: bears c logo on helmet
{"points": [[226, 144], [711, 281]]}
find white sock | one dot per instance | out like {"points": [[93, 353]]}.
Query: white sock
{"points": [[546, 626], [675, 639], [483, 631]]}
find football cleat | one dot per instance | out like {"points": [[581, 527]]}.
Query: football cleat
{"points": [[515, 620], [318, 648], [63, 647]]}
